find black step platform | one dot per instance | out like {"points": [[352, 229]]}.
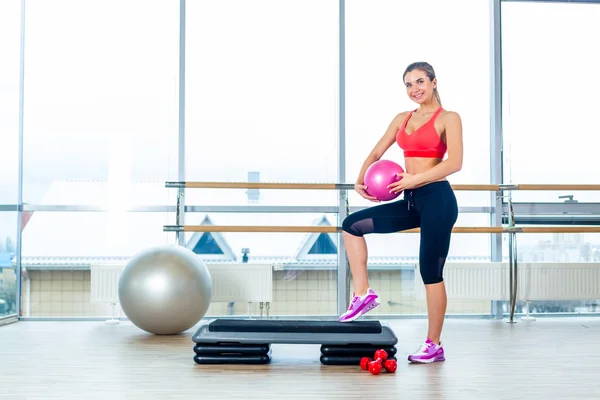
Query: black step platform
{"points": [[229, 341]]}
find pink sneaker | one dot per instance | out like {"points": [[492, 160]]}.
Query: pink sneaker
{"points": [[360, 305], [428, 353]]}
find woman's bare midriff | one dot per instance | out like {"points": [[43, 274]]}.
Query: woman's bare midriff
{"points": [[416, 165]]}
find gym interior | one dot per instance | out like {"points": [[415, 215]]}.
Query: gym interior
{"points": [[175, 175]]}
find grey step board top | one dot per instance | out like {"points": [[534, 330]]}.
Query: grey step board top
{"points": [[294, 332]]}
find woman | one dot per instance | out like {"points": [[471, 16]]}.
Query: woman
{"points": [[425, 135]]}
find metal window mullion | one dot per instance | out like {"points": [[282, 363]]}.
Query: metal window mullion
{"points": [[180, 207], [18, 256], [496, 159], [342, 271]]}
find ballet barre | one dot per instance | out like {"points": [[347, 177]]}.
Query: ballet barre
{"points": [[511, 229], [337, 229]]}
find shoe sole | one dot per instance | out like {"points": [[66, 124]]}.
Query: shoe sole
{"points": [[365, 310], [428, 361]]}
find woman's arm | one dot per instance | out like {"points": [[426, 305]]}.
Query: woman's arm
{"points": [[384, 143]]}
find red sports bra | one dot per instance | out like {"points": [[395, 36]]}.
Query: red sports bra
{"points": [[423, 142]]}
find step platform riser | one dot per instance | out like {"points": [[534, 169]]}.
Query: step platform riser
{"points": [[344, 360], [208, 349], [362, 351], [215, 360]]}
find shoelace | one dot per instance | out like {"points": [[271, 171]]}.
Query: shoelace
{"points": [[423, 348], [354, 300]]}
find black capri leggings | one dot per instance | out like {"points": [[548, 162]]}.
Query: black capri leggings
{"points": [[432, 207]]}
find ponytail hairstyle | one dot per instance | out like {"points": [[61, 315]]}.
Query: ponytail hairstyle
{"points": [[428, 69]]}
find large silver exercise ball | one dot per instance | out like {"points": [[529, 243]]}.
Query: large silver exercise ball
{"points": [[165, 290]]}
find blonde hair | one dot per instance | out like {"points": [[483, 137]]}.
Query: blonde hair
{"points": [[429, 71]]}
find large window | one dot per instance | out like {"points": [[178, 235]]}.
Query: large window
{"points": [[262, 93], [101, 94], [261, 105], [549, 119], [101, 129], [550, 96], [10, 28]]}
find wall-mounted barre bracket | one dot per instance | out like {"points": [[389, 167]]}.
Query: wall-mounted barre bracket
{"points": [[173, 228], [175, 184], [344, 186], [513, 229]]}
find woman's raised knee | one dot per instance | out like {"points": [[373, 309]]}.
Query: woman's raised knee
{"points": [[349, 226]]}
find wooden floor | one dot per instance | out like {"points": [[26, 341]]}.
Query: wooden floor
{"points": [[486, 359]]}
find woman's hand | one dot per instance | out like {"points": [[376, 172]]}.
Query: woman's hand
{"points": [[361, 189], [407, 181]]}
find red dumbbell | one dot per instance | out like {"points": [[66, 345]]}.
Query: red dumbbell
{"points": [[390, 366], [381, 355], [375, 367], [364, 363]]}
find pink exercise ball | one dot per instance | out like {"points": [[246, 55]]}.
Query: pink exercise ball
{"points": [[379, 175]]}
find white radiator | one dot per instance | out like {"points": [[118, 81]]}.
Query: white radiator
{"points": [[242, 282], [536, 281], [231, 282], [559, 281], [470, 281], [104, 281]]}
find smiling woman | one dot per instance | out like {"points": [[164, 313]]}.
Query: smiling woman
{"points": [[429, 201]]}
